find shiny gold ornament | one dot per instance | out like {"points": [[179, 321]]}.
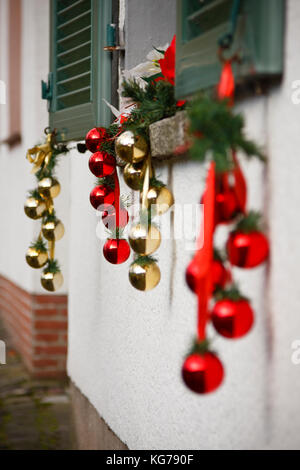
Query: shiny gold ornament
{"points": [[144, 240], [34, 208], [133, 175], [49, 188], [144, 277], [131, 148], [52, 281], [53, 230], [161, 197], [36, 258]]}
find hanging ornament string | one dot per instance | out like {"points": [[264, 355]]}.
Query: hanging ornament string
{"points": [[39, 205], [224, 201], [105, 196], [204, 254]]}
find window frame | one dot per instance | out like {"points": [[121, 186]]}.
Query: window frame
{"points": [[268, 61], [74, 122]]}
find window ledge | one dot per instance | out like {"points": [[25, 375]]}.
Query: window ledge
{"points": [[169, 137]]}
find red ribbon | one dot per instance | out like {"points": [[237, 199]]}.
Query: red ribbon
{"points": [[117, 199], [204, 254], [226, 84], [225, 90]]}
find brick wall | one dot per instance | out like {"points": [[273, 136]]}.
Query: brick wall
{"points": [[38, 327]]}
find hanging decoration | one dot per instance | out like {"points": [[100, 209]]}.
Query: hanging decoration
{"points": [[126, 141], [105, 196], [40, 206], [155, 198], [208, 274]]}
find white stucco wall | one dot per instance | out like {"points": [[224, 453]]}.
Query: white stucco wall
{"points": [[15, 179]]}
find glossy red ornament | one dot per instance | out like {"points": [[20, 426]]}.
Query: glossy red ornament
{"points": [[230, 198], [220, 275], [202, 373], [116, 251], [102, 164], [102, 195], [247, 250], [192, 274], [232, 319], [95, 137], [109, 218]]}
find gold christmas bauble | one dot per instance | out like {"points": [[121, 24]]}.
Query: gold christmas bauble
{"points": [[34, 208], [144, 240], [133, 175], [49, 188], [131, 148], [36, 258], [144, 277], [162, 198], [52, 281], [53, 231]]}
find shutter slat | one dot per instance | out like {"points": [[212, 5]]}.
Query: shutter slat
{"points": [[62, 54], [72, 93], [73, 53], [76, 18], [71, 36], [69, 7], [81, 75]]}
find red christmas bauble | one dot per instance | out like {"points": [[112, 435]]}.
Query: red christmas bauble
{"points": [[94, 138], [220, 275], [102, 164], [116, 251], [192, 274], [232, 319], [109, 218], [247, 250], [202, 373], [101, 196]]}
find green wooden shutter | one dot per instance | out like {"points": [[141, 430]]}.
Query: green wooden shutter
{"points": [[80, 70], [200, 24]]}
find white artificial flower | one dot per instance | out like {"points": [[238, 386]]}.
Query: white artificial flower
{"points": [[145, 69], [124, 111]]}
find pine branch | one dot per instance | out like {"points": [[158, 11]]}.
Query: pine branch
{"points": [[52, 266], [39, 245], [232, 293], [144, 260], [215, 130], [252, 222]]}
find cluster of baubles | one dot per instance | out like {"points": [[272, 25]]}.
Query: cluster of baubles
{"points": [[144, 237], [231, 314], [40, 206], [106, 196]]}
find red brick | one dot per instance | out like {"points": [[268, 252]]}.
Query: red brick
{"points": [[22, 312], [50, 350], [44, 362], [46, 312], [50, 325], [46, 337], [49, 373], [50, 299]]}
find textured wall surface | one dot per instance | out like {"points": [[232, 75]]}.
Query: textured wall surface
{"points": [[15, 179], [126, 347]]}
